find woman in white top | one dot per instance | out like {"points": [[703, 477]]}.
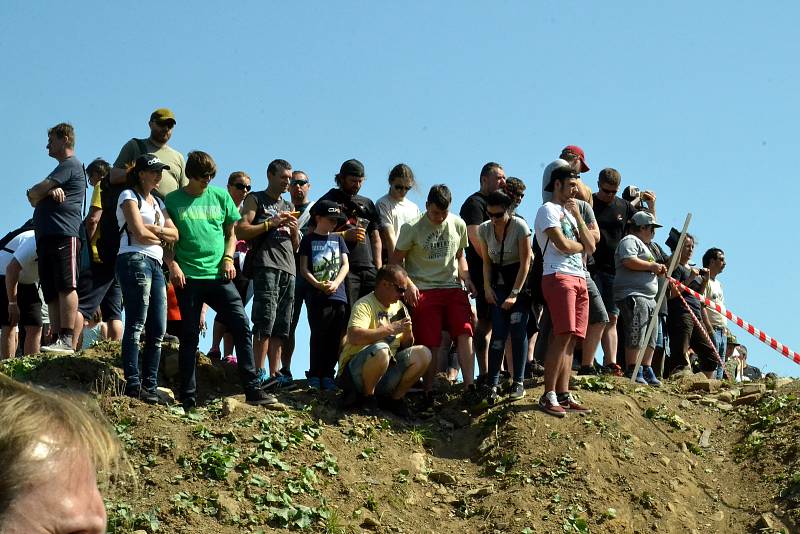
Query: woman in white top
{"points": [[145, 227], [394, 209]]}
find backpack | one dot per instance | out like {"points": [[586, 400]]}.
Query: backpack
{"points": [[108, 230], [6, 239]]}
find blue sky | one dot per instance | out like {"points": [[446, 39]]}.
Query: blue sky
{"points": [[698, 101]]}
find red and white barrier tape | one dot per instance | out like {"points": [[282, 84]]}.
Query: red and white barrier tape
{"points": [[762, 336], [699, 325]]}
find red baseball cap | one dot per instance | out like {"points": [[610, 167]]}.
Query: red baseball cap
{"points": [[578, 151]]}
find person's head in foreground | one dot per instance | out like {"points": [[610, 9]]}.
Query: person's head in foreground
{"points": [[52, 450]]}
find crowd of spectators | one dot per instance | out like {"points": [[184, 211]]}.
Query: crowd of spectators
{"points": [[391, 290]]}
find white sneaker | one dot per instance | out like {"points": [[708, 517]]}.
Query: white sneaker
{"points": [[59, 347]]}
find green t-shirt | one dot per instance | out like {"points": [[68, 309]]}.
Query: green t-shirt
{"points": [[172, 179], [431, 251], [200, 222]]}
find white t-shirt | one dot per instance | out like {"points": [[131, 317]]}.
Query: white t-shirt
{"points": [[24, 251], [150, 215], [396, 213], [552, 215], [714, 294]]}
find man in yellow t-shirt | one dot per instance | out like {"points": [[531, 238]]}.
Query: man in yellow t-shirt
{"points": [[379, 359]]}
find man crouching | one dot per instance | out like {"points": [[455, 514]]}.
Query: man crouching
{"points": [[379, 362]]}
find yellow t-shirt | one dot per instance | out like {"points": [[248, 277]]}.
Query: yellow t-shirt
{"points": [[96, 204], [369, 313]]}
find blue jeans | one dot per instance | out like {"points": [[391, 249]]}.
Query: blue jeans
{"points": [[505, 322], [394, 374], [222, 297], [720, 341], [144, 292]]}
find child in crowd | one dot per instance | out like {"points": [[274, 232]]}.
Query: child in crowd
{"points": [[323, 263], [94, 330]]}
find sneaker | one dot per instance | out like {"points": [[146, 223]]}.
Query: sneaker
{"points": [[639, 376], [231, 359], [314, 382], [286, 382], [548, 403], [396, 406], [188, 404], [259, 397], [476, 397], [587, 370], [132, 391], [369, 404], [650, 376], [482, 380], [150, 397], [328, 384], [517, 391], [59, 347], [611, 369], [214, 355], [568, 402]]}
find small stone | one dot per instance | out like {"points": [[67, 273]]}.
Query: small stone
{"points": [[671, 507], [749, 389], [276, 407], [784, 381], [725, 407], [705, 439], [481, 492], [228, 507], [369, 522], [417, 461], [694, 397], [765, 522], [231, 405], [685, 404], [139, 532], [718, 516], [442, 477], [725, 396], [664, 460], [747, 399], [709, 401]]}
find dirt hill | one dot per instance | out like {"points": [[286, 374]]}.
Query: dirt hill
{"points": [[694, 456]]}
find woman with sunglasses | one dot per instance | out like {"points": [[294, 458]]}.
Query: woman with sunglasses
{"points": [[145, 227], [394, 209], [505, 247], [238, 188]]}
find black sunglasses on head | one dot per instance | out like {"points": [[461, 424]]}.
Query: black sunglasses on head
{"points": [[241, 186]]}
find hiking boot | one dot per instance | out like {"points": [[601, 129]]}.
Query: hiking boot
{"points": [[568, 402], [517, 391], [611, 369], [639, 376], [132, 391], [650, 376], [548, 403], [59, 347], [398, 407], [314, 382], [328, 384], [587, 370], [149, 396], [259, 397]]}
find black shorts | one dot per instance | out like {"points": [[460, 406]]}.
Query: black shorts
{"points": [[98, 287], [58, 264], [30, 306]]}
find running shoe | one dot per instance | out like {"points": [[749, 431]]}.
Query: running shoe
{"points": [[549, 404]]}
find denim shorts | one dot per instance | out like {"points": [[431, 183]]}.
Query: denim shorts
{"points": [[273, 300], [389, 381], [605, 284], [597, 308]]}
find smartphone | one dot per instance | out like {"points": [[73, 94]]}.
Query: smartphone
{"points": [[399, 316]]}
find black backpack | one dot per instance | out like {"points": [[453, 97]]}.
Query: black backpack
{"points": [[6, 239]]}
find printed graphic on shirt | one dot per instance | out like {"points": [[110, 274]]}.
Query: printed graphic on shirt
{"points": [[383, 319], [438, 244], [568, 230], [269, 212], [199, 213], [326, 259]]}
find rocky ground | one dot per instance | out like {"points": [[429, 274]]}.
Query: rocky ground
{"points": [[695, 456]]}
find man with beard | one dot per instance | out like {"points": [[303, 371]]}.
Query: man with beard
{"points": [[162, 122], [360, 230]]}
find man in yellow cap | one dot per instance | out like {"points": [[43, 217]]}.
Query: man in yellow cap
{"points": [[162, 121]]}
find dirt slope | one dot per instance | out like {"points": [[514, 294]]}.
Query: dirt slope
{"points": [[680, 459]]}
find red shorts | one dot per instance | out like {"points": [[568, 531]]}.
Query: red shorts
{"points": [[173, 311], [441, 309], [568, 302]]}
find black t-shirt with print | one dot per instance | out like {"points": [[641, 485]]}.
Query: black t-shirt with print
{"points": [[611, 220], [674, 305], [474, 211], [355, 207]]}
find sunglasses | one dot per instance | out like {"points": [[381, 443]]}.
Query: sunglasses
{"points": [[400, 289], [165, 124], [401, 188], [496, 215], [301, 183], [609, 191], [241, 186]]}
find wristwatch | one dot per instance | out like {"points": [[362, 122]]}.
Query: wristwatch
{"points": [[515, 292]]}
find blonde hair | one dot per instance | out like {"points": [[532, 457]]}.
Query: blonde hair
{"points": [[584, 192], [37, 424]]}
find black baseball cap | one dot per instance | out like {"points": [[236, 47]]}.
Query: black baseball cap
{"points": [[327, 208], [150, 162], [352, 167], [560, 173]]}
